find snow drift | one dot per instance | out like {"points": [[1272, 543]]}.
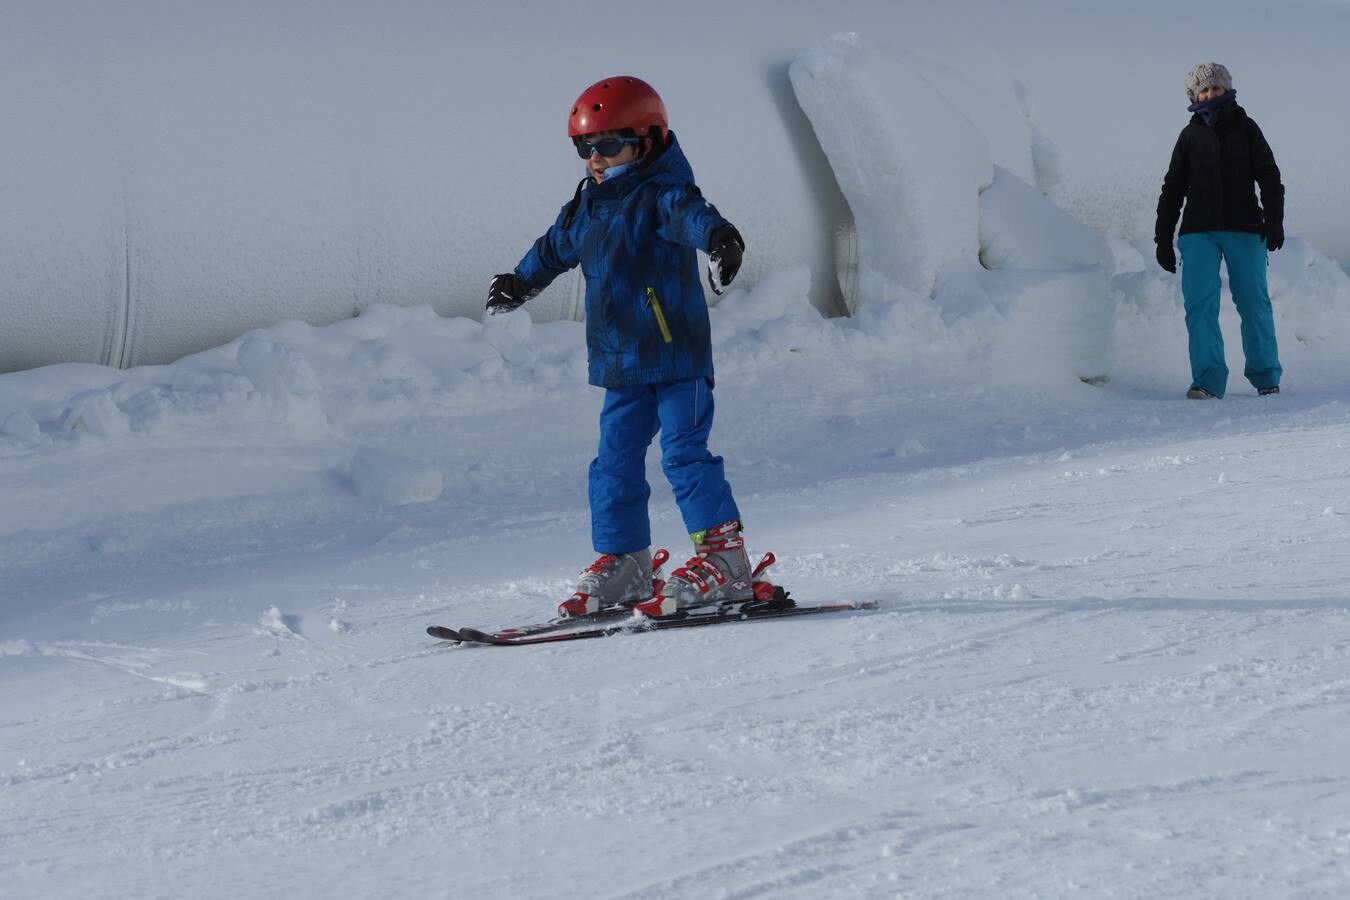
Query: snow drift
{"points": [[190, 171]]}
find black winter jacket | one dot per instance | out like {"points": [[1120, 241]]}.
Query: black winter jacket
{"points": [[1213, 170]]}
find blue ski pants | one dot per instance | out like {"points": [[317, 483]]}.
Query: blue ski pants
{"points": [[1245, 255], [631, 416]]}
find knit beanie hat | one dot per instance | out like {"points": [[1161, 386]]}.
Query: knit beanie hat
{"points": [[1204, 75]]}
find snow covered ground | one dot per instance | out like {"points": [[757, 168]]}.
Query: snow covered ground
{"points": [[1112, 656]]}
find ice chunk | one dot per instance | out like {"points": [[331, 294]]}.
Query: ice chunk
{"points": [[1021, 229], [909, 163]]}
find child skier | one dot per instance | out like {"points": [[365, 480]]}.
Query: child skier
{"points": [[1216, 161], [634, 225]]}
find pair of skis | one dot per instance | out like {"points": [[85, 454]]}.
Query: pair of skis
{"points": [[769, 602], [610, 622]]}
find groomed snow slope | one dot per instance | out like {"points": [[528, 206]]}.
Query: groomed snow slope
{"points": [[1110, 659], [191, 170]]}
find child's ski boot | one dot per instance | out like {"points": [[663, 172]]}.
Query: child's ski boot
{"points": [[718, 575], [615, 579]]}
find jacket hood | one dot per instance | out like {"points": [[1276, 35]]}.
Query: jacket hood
{"points": [[669, 163]]}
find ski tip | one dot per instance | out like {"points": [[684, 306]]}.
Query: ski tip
{"points": [[440, 632]]}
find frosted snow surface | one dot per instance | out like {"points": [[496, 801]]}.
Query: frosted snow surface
{"points": [[1109, 658]]}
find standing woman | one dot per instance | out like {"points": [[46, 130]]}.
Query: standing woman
{"points": [[1219, 158]]}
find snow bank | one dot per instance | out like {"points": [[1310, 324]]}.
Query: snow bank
{"points": [[276, 369], [379, 410], [929, 203], [1021, 229], [21, 425], [1055, 321], [377, 366], [1053, 271], [910, 165], [753, 326], [1045, 316], [1311, 296]]}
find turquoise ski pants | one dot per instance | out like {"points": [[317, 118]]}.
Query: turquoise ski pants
{"points": [[1245, 255]]}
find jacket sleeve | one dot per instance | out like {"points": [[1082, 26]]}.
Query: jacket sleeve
{"points": [[1175, 184], [552, 254], [687, 218], [1267, 176]]}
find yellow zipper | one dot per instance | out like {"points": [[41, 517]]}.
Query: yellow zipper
{"points": [[660, 316]]}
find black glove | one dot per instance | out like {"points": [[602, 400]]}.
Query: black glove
{"points": [[725, 249], [1273, 235], [508, 292], [1167, 257]]}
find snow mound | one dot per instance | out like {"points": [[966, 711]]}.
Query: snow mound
{"points": [[1031, 327], [507, 334], [930, 204], [909, 163], [1311, 296], [21, 425], [277, 369], [1021, 229], [97, 413], [390, 479], [1051, 284], [1061, 321]]}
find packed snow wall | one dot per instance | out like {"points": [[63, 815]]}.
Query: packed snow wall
{"points": [[176, 173]]}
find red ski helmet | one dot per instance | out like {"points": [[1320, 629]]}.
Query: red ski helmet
{"points": [[613, 104]]}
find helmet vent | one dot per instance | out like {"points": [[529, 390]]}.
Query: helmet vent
{"points": [[574, 110], [597, 107]]}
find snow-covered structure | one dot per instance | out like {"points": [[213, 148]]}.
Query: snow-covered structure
{"points": [[174, 174]]}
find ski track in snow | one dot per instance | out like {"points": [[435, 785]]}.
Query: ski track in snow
{"points": [[1110, 656]]}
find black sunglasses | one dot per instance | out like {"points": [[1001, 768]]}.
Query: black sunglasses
{"points": [[606, 147]]}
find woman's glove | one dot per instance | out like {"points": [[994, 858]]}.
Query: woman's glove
{"points": [[1167, 257], [1273, 235]]}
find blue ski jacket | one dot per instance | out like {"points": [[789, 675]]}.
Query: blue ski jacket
{"points": [[635, 238]]}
